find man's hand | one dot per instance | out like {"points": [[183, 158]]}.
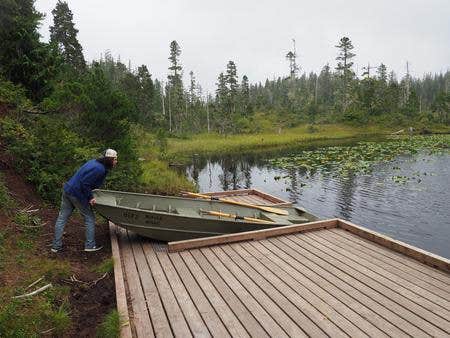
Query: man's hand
{"points": [[92, 201]]}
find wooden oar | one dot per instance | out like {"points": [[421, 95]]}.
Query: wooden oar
{"points": [[260, 207], [223, 214]]}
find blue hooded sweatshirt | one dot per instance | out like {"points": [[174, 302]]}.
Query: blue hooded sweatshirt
{"points": [[90, 176]]}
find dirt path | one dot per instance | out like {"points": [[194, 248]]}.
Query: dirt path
{"points": [[88, 304]]}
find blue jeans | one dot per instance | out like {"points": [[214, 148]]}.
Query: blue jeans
{"points": [[68, 204]]}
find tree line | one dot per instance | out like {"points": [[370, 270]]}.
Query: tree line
{"points": [[57, 71]]}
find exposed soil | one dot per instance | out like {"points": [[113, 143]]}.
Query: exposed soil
{"points": [[89, 303]]}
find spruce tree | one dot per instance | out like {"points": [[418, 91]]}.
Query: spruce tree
{"points": [[175, 85], [245, 96], [145, 93], [23, 58], [222, 94], [64, 35], [344, 68], [345, 64], [232, 82]]}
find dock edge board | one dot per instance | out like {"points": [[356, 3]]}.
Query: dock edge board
{"points": [[121, 297]]}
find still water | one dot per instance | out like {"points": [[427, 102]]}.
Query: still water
{"points": [[416, 210]]}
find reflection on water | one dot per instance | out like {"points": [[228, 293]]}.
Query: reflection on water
{"points": [[416, 212]]}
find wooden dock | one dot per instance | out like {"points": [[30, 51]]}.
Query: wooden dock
{"points": [[326, 278]]}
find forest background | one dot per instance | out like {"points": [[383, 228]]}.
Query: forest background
{"points": [[57, 110]]}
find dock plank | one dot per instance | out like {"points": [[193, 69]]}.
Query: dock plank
{"points": [[355, 324], [308, 289], [298, 295], [121, 297], [434, 276], [247, 319], [274, 291], [175, 315], [158, 316], [388, 309], [141, 317], [261, 315], [205, 309], [438, 295], [222, 309], [396, 285], [415, 313], [191, 313], [364, 306], [426, 257], [273, 309]]}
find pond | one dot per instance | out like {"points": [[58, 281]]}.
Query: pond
{"points": [[404, 194]]}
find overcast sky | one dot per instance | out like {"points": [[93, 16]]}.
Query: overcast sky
{"points": [[256, 35]]}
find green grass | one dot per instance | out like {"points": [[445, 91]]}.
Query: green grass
{"points": [[30, 317], [20, 266], [110, 327], [159, 178], [228, 144], [106, 266]]}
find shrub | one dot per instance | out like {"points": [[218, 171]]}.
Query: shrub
{"points": [[13, 95], [48, 152]]}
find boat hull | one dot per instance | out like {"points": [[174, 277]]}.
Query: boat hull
{"points": [[172, 218]]}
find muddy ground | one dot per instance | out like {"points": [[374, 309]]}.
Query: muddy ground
{"points": [[89, 304]]}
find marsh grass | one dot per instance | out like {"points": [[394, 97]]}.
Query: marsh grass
{"points": [[210, 144]]}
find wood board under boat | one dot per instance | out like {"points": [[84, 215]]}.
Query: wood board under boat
{"points": [[168, 218]]}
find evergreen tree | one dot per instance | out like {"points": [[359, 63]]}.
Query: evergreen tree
{"points": [[64, 35], [345, 64], [441, 107], [382, 73], [232, 82], [192, 88], [145, 94], [344, 68], [222, 94], [23, 58], [175, 86], [245, 96], [325, 86]]}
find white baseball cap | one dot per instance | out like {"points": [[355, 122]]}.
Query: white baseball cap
{"points": [[110, 153]]}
